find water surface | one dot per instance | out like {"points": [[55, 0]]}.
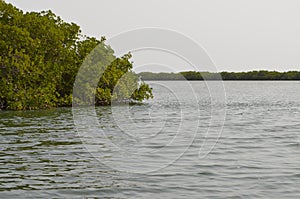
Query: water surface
{"points": [[256, 156]]}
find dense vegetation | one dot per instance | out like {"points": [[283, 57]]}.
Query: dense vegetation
{"points": [[41, 55], [252, 75]]}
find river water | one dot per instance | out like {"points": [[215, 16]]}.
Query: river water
{"points": [[185, 143]]}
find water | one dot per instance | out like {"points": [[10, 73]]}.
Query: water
{"points": [[153, 150]]}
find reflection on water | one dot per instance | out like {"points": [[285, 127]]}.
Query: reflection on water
{"points": [[257, 155]]}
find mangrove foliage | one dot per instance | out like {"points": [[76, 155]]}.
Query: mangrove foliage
{"points": [[41, 55]]}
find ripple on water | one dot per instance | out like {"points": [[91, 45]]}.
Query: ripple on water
{"points": [[257, 155]]}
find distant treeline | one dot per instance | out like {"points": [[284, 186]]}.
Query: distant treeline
{"points": [[252, 75]]}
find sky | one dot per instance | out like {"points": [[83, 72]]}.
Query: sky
{"points": [[238, 35]]}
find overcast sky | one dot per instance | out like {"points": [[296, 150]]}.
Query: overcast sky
{"points": [[239, 35]]}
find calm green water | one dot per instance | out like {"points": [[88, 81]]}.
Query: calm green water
{"points": [[160, 149]]}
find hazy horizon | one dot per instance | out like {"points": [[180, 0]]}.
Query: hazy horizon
{"points": [[237, 35]]}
